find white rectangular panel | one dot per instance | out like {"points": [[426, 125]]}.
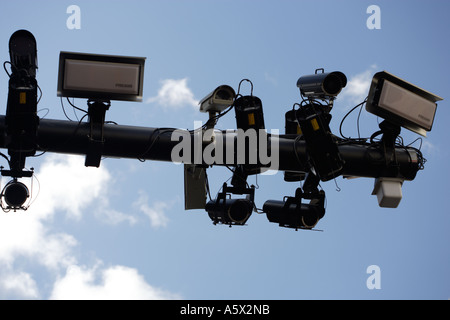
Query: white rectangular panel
{"points": [[407, 105], [97, 76]]}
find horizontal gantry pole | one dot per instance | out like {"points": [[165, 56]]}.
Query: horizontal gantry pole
{"points": [[283, 153]]}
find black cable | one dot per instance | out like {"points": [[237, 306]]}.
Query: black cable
{"points": [[69, 138], [4, 67], [214, 119], [40, 97], [348, 113], [357, 121], [4, 156], [207, 186], [239, 87], [420, 139], [82, 110], [160, 132], [62, 106]]}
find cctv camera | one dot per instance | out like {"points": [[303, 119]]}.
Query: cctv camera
{"points": [[222, 97], [229, 211], [322, 85], [15, 194], [23, 52]]}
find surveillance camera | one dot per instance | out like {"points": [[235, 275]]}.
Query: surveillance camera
{"points": [[322, 85], [222, 97], [23, 52], [230, 211], [15, 194]]}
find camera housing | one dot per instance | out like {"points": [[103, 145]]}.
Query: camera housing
{"points": [[388, 192], [230, 211], [23, 52], [218, 100], [292, 213], [14, 194], [322, 85]]}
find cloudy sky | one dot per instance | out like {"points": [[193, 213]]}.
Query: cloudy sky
{"points": [[121, 232]]}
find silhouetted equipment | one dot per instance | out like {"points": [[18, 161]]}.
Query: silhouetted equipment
{"points": [[292, 128], [218, 100], [229, 211], [100, 77], [292, 213], [131, 142], [402, 103], [321, 145], [307, 152], [322, 85], [15, 194], [250, 119], [21, 120]]}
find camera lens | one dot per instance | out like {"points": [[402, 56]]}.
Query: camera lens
{"points": [[332, 84], [16, 193]]}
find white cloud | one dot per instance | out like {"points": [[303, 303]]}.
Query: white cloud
{"points": [[174, 94], [113, 283], [155, 212], [272, 79], [66, 186], [358, 86], [28, 234], [429, 148], [25, 234], [21, 283]]}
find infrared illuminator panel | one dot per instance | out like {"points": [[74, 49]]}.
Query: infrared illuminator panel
{"points": [[103, 77], [402, 103]]}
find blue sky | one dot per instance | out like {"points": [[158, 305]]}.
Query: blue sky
{"points": [[121, 231]]}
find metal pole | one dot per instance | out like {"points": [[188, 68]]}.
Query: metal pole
{"points": [[120, 141]]}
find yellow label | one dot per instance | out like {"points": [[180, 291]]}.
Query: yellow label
{"points": [[299, 131], [22, 97], [315, 124], [251, 119]]}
